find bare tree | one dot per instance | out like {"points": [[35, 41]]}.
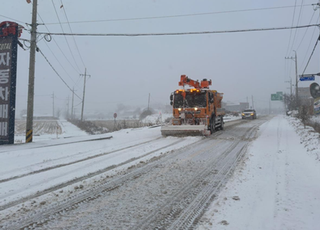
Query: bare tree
{"points": [[304, 114], [290, 102]]}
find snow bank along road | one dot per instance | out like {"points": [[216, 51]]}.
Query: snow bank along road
{"points": [[137, 179], [276, 185]]}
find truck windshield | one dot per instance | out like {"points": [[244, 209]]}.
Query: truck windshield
{"points": [[192, 100]]}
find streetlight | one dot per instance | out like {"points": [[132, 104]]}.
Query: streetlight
{"points": [[296, 61]]}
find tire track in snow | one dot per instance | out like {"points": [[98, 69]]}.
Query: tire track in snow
{"points": [[73, 162], [189, 203], [42, 216], [79, 179]]}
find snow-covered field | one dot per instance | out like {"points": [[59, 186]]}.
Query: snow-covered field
{"points": [[276, 186], [47, 130]]}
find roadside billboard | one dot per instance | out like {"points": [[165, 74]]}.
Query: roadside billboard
{"points": [[316, 106], [8, 65]]}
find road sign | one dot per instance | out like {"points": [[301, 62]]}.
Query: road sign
{"points": [[277, 97], [316, 106], [307, 77], [274, 97]]}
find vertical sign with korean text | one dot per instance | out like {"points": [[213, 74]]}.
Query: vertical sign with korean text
{"points": [[8, 63]]}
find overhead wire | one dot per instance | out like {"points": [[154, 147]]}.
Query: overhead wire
{"points": [[78, 104], [305, 31], [60, 63], [290, 70], [65, 13], [295, 32], [58, 73], [180, 15], [177, 33], [65, 37], [314, 48], [309, 46], [292, 22], [59, 47], [12, 19]]}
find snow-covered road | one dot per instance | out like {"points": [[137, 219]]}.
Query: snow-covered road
{"points": [[29, 170], [60, 175], [138, 179], [276, 186]]}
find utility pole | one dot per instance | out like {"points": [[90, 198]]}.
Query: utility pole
{"points": [[68, 107], [72, 103], [84, 90], [252, 101], [148, 101], [290, 82], [296, 67], [269, 106], [296, 62], [33, 44], [53, 104]]}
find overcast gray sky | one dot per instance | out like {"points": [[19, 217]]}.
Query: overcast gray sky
{"points": [[126, 69]]}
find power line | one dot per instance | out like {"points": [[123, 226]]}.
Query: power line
{"points": [[59, 63], [180, 15], [65, 13], [311, 54], [65, 37], [180, 33], [59, 47], [289, 72], [78, 104], [312, 36], [306, 31], [13, 19], [294, 13], [57, 72], [295, 32]]}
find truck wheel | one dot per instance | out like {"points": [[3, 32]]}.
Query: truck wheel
{"points": [[212, 126], [222, 124]]}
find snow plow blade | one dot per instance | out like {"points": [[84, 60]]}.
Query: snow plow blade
{"points": [[185, 130]]}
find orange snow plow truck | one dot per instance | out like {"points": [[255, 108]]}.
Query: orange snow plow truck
{"points": [[196, 110]]}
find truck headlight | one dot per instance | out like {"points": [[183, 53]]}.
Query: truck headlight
{"points": [[195, 108]]}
